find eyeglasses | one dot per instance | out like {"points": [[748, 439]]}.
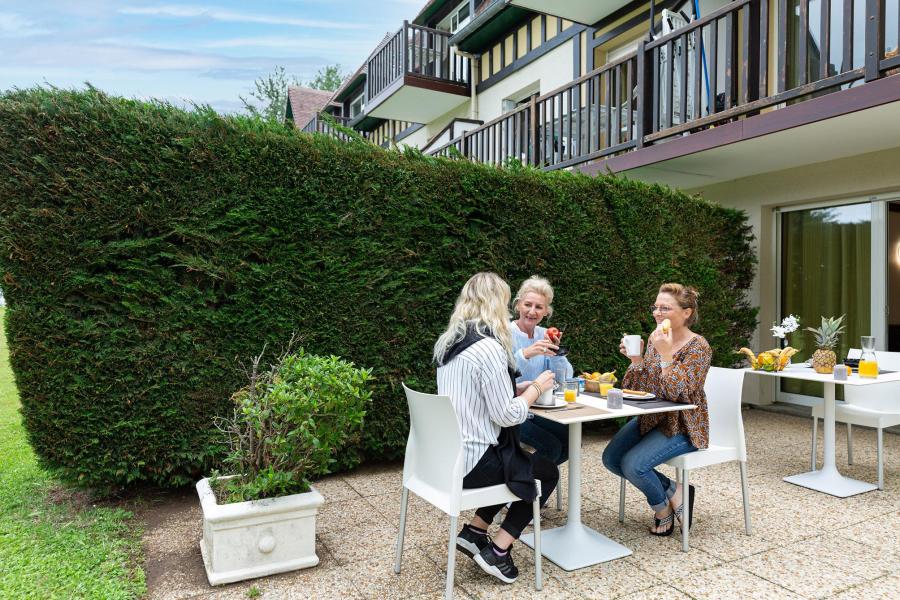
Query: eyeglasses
{"points": [[662, 309]]}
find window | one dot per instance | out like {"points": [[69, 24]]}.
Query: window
{"points": [[357, 105], [457, 19]]}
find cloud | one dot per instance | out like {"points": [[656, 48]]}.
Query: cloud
{"points": [[14, 26], [232, 16], [344, 46]]}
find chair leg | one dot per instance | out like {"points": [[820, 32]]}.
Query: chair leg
{"points": [[404, 500], [686, 500], [621, 499], [745, 492], [815, 435], [880, 461], [451, 560], [849, 444], [538, 571]]}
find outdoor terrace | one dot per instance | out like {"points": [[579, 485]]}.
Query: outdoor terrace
{"points": [[805, 544]]}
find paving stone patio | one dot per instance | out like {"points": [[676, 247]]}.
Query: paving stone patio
{"points": [[805, 544]]}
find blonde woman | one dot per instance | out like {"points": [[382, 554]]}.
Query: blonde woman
{"points": [[476, 369], [535, 352]]}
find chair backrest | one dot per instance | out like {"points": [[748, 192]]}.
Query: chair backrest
{"points": [[884, 396], [724, 388], [434, 453]]}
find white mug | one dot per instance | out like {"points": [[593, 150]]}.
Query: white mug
{"points": [[632, 345], [546, 398]]}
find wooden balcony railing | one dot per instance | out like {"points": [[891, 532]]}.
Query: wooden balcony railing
{"points": [[414, 50], [320, 124], [716, 69]]}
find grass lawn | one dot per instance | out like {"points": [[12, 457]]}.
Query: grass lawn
{"points": [[53, 544]]}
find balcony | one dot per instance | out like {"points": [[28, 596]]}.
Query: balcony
{"points": [[586, 12], [719, 81], [415, 76]]}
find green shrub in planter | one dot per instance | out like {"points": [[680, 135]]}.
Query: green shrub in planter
{"points": [[290, 423]]}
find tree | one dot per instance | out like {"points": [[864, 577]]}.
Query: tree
{"points": [[270, 94], [328, 78]]}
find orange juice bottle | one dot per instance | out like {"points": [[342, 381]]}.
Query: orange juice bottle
{"points": [[868, 368]]}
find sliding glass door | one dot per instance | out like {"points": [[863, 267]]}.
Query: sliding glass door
{"points": [[826, 270]]}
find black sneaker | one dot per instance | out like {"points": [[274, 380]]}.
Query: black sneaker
{"points": [[501, 567], [471, 543]]}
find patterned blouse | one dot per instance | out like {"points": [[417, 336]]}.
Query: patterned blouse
{"points": [[683, 384]]}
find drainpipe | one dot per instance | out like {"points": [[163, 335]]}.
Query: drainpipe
{"points": [[473, 61]]}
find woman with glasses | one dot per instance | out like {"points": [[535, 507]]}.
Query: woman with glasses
{"points": [[674, 368], [535, 353]]}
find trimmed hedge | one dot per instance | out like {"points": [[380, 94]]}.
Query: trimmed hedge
{"points": [[147, 251]]}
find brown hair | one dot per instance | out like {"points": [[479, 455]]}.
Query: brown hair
{"points": [[685, 296]]}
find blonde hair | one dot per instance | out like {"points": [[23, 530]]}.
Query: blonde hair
{"points": [[537, 285], [483, 302], [685, 296]]}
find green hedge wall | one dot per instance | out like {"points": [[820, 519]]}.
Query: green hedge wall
{"points": [[146, 252]]}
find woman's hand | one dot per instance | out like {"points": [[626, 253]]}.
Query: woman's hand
{"points": [[542, 347], [663, 343], [545, 380], [635, 360]]}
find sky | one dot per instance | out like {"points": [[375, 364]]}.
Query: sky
{"points": [[205, 52]]}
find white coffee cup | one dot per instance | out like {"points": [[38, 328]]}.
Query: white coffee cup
{"points": [[546, 398], [632, 345]]}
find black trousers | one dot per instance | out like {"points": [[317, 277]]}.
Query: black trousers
{"points": [[489, 471]]}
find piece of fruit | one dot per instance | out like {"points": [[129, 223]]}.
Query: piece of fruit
{"points": [[666, 325], [553, 334]]}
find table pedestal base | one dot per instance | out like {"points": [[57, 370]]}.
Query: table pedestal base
{"points": [[575, 546], [831, 482]]}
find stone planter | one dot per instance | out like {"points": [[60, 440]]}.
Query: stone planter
{"points": [[257, 538]]}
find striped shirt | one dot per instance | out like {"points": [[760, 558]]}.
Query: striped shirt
{"points": [[477, 381]]}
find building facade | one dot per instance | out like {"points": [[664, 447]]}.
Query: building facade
{"points": [[786, 109]]}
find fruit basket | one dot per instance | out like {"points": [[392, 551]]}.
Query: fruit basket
{"points": [[771, 360], [593, 380]]}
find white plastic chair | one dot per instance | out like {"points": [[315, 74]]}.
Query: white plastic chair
{"points": [[724, 388], [433, 470], [876, 406]]}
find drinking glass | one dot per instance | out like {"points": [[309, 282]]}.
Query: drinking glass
{"points": [[559, 380], [570, 392]]}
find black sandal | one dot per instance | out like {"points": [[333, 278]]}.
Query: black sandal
{"points": [[680, 510], [668, 521]]}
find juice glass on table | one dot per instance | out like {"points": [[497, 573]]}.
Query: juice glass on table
{"points": [[571, 390], [868, 364], [605, 387]]}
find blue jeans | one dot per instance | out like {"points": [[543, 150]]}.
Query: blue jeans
{"points": [[633, 456], [551, 440]]}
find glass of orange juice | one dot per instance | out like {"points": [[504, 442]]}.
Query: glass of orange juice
{"points": [[605, 387], [571, 390]]}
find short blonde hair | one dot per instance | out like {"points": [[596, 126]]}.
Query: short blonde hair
{"points": [[483, 303], [537, 285], [685, 296]]}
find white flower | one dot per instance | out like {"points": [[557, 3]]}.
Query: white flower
{"points": [[790, 324], [778, 331]]}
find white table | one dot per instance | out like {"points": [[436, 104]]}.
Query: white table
{"points": [[574, 545], [828, 479]]}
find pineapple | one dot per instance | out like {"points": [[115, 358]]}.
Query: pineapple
{"points": [[824, 358]]}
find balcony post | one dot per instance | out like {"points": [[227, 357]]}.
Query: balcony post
{"points": [[874, 38], [643, 113], [404, 44], [533, 137]]}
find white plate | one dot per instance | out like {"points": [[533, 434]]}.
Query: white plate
{"points": [[558, 404], [647, 396]]}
